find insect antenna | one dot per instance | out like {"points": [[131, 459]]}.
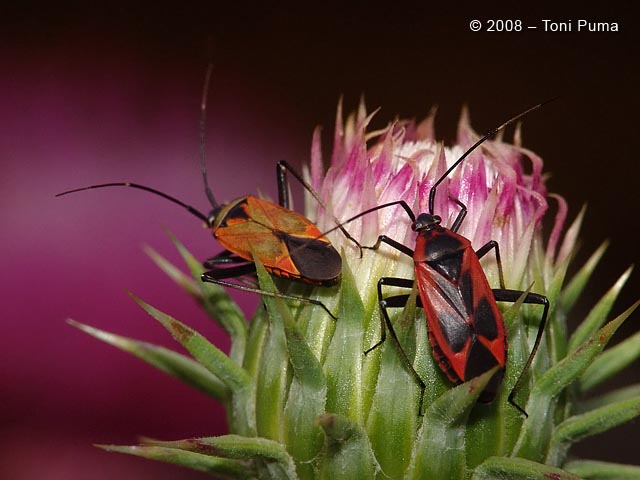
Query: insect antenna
{"points": [[203, 121], [485, 137], [191, 209], [401, 203], [203, 166]]}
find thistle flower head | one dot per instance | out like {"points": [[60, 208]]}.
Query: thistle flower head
{"points": [[305, 401], [500, 184]]}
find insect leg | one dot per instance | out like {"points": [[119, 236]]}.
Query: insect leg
{"points": [[396, 301], [463, 213], [217, 273], [482, 251], [224, 257], [211, 277], [503, 295], [229, 265], [390, 302], [395, 244]]}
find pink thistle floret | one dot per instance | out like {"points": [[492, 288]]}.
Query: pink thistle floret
{"points": [[501, 184]]}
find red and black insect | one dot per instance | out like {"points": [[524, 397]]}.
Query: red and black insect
{"points": [[288, 244], [465, 327]]}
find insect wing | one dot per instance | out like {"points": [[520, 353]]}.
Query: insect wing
{"points": [[287, 243], [466, 330]]}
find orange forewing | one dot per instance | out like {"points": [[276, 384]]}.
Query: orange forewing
{"points": [[255, 225]]}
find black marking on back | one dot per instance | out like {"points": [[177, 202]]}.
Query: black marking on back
{"points": [[439, 243], [455, 331], [466, 290], [486, 324], [449, 266], [479, 360], [314, 259], [235, 212]]}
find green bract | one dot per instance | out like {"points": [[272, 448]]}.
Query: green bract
{"points": [[312, 408]]}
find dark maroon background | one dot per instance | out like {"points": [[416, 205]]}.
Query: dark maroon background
{"points": [[91, 95]]}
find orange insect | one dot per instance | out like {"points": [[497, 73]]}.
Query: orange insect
{"points": [[288, 244]]}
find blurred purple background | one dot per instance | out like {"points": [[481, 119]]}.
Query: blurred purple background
{"points": [[90, 96]]}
